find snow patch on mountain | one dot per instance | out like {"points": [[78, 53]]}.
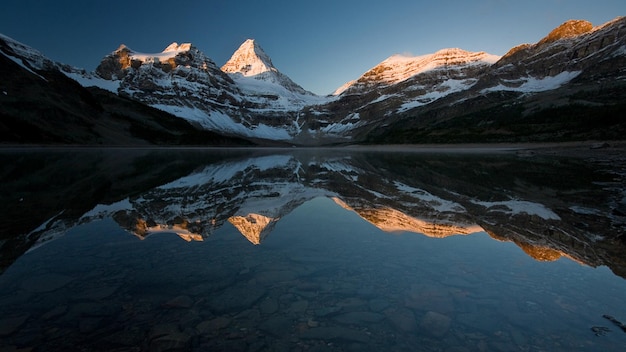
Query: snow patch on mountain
{"points": [[219, 121], [534, 84], [86, 79], [341, 128], [36, 60], [273, 95], [25, 56], [445, 88], [621, 51], [21, 63]]}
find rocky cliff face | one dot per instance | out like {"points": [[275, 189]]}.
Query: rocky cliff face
{"points": [[574, 46], [181, 80]]}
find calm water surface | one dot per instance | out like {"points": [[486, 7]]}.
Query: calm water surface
{"points": [[310, 250]]}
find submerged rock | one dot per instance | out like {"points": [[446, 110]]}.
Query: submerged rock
{"points": [[402, 319], [171, 342], [45, 283], [435, 324], [277, 326], [235, 298], [335, 334], [378, 304], [212, 325], [9, 325], [356, 318], [268, 306], [180, 302]]}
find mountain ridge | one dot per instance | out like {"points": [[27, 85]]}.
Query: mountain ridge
{"points": [[249, 97], [398, 68]]}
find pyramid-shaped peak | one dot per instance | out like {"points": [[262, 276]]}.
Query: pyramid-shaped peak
{"points": [[252, 47], [250, 44], [121, 48], [249, 60], [254, 227]]}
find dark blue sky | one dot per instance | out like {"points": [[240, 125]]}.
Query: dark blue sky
{"points": [[320, 44]]}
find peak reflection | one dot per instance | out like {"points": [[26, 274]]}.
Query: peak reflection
{"points": [[254, 227], [435, 195]]}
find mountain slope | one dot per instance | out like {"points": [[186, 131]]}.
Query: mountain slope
{"points": [[399, 68], [40, 104], [249, 98], [396, 85], [571, 85]]}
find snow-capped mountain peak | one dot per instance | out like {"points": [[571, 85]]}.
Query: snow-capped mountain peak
{"points": [[175, 47], [249, 60], [398, 68], [169, 53], [262, 83]]}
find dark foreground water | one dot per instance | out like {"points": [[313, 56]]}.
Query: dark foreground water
{"points": [[310, 250]]}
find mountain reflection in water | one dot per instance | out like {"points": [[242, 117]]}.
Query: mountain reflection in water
{"points": [[549, 207]]}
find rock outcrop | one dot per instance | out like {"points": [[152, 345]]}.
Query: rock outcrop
{"points": [[573, 46]]}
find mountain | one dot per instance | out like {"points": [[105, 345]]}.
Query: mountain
{"points": [[397, 84], [261, 102], [271, 96], [248, 97], [570, 85], [40, 104], [180, 80], [572, 49], [399, 68], [251, 62]]}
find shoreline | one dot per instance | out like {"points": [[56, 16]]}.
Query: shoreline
{"points": [[579, 149]]}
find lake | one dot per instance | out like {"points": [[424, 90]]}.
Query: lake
{"points": [[347, 249]]}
